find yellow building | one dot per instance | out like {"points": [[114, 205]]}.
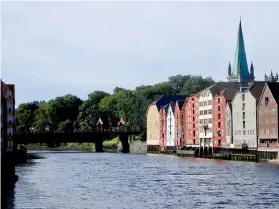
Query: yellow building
{"points": [[153, 121]]}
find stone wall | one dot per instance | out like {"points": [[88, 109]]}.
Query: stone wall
{"points": [[135, 147]]}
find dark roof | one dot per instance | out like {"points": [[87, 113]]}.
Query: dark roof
{"points": [[166, 99], [219, 86], [181, 103], [256, 90], [274, 88], [230, 92]]}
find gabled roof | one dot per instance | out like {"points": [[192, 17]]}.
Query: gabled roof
{"points": [[274, 88], [229, 92], [219, 86], [256, 90], [166, 99]]}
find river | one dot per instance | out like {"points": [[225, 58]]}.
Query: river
{"points": [[69, 180]]}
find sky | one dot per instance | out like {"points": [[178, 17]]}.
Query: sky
{"points": [[50, 49]]}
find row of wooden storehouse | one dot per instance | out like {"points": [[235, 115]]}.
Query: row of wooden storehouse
{"points": [[225, 115]]}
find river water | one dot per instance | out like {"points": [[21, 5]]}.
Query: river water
{"points": [[71, 180]]}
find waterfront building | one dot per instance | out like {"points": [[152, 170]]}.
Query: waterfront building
{"points": [[244, 111], [220, 106], [178, 126], [170, 142], [205, 99], [191, 129], [7, 116], [229, 125], [271, 77], [240, 72], [268, 118], [163, 126], [153, 119]]}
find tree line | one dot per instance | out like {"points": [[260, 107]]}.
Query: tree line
{"points": [[70, 113]]}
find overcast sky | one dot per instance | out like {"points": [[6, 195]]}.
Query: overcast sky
{"points": [[53, 48]]}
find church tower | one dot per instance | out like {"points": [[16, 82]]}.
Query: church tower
{"points": [[240, 71]]}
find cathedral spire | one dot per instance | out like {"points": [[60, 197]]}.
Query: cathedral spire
{"points": [[240, 55]]}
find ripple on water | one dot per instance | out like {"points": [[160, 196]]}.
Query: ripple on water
{"points": [[106, 180]]}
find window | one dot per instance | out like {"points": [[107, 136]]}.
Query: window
{"points": [[10, 97], [210, 120], [273, 131], [205, 103], [243, 124], [266, 101], [163, 136], [243, 106], [219, 100], [244, 132], [219, 116], [209, 102], [10, 110], [194, 125], [10, 122], [243, 97], [201, 121], [243, 115], [210, 111], [201, 112], [193, 118], [205, 112], [267, 131], [219, 108], [10, 134], [219, 125], [205, 121]]}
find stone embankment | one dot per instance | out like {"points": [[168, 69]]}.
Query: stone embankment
{"points": [[135, 147]]}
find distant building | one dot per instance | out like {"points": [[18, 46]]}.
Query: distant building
{"points": [[7, 116], [268, 119], [170, 142], [220, 104], [271, 78], [244, 110], [178, 127], [240, 71], [163, 126], [153, 119], [191, 128]]}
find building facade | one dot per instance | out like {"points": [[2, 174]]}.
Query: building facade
{"points": [[229, 126], [163, 126], [244, 110], [178, 126], [153, 119], [268, 118], [191, 128], [219, 120], [170, 141], [205, 118], [7, 116]]}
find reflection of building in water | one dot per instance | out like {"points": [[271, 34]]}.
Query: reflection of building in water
{"points": [[7, 116]]}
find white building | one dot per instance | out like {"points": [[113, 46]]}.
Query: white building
{"points": [[229, 125], [205, 117], [244, 111], [170, 125]]}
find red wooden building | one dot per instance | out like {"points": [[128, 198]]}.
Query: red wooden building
{"points": [[219, 104], [163, 126], [191, 129], [178, 130], [268, 117]]}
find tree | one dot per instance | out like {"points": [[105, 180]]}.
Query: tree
{"points": [[25, 117], [89, 111]]}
